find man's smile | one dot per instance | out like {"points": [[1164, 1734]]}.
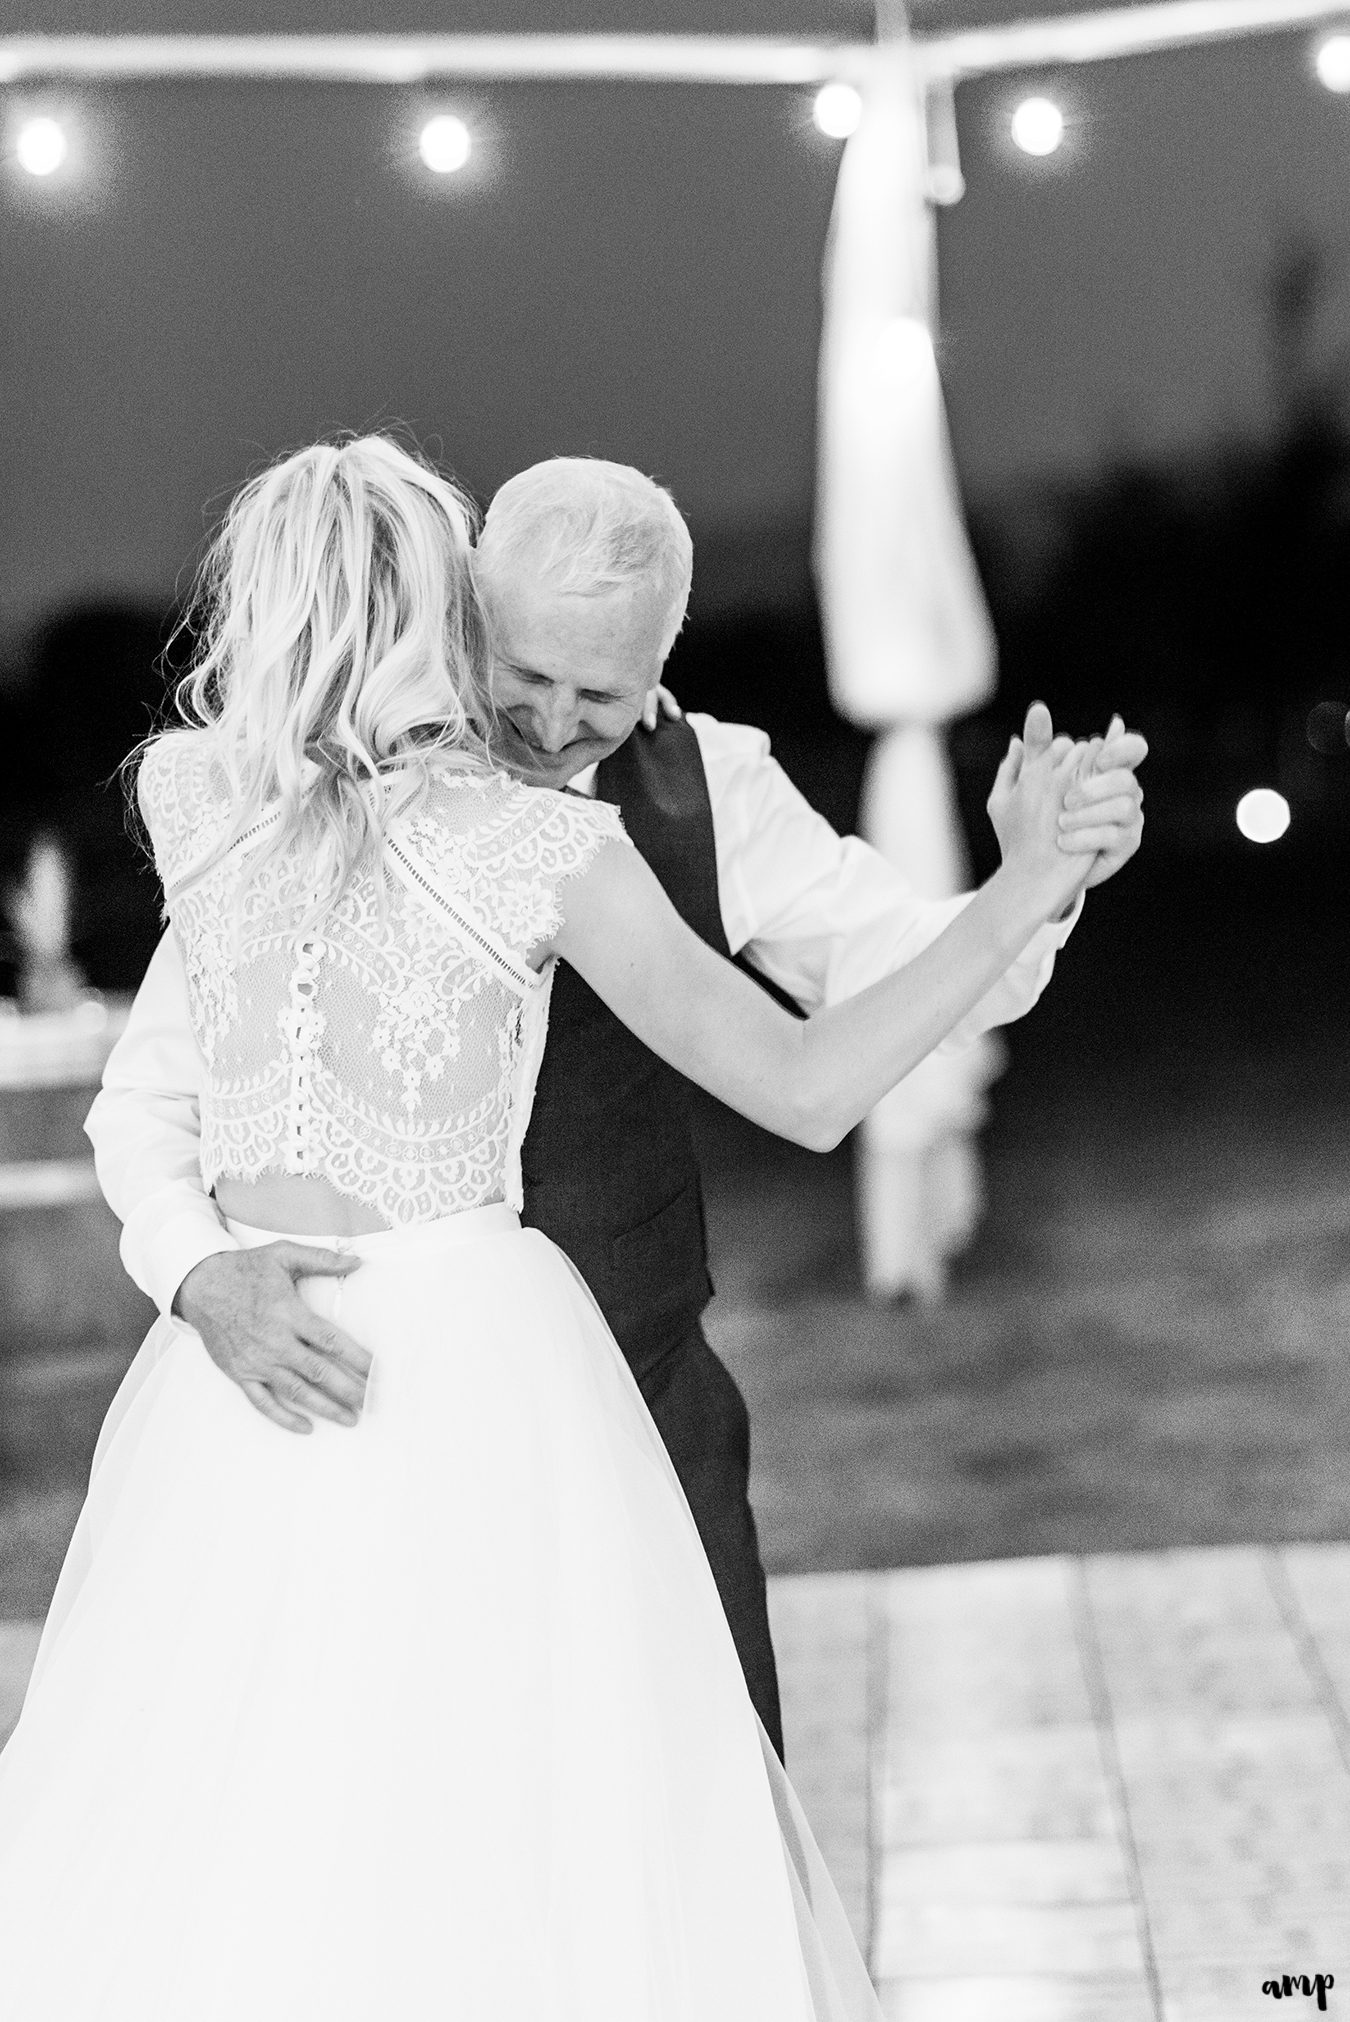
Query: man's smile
{"points": [[576, 753]]}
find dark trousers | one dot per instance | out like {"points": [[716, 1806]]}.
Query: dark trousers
{"points": [[702, 1418]]}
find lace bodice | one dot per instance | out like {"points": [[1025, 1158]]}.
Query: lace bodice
{"points": [[393, 1051]]}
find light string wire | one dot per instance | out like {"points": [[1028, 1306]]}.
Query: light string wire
{"points": [[657, 59]]}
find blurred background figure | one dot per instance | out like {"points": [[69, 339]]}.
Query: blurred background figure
{"points": [[919, 1176], [39, 907], [909, 644]]}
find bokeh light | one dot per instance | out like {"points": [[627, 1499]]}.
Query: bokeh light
{"points": [[1328, 728], [1038, 126], [837, 110], [1332, 62], [1263, 814], [41, 146], [445, 144]]}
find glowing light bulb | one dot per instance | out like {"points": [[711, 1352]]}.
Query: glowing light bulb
{"points": [[837, 110], [41, 146], [1263, 814], [1332, 62], [1038, 126], [444, 144]]}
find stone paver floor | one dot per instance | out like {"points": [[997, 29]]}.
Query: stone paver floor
{"points": [[1104, 1789]]}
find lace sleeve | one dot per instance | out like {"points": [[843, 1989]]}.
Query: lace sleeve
{"points": [[574, 833], [157, 797], [591, 823], [181, 814], [503, 850]]}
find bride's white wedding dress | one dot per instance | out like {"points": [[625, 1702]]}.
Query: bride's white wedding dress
{"points": [[438, 1717]]}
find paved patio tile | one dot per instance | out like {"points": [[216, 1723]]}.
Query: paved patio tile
{"points": [[1021, 1998], [1008, 1871], [1198, 1870], [1043, 1783], [1318, 1579], [983, 1647], [1320, 1576], [1271, 1932], [1194, 1629], [929, 1940]]}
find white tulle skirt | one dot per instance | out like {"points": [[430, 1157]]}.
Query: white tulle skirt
{"points": [[435, 1718]]}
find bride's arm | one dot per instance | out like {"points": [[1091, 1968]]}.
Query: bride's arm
{"points": [[812, 1081]]}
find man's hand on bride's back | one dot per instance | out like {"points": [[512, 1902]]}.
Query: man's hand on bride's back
{"points": [[290, 1364]]}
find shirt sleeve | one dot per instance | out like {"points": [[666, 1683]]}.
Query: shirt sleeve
{"points": [[822, 915], [145, 1128]]}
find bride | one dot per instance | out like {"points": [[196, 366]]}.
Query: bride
{"points": [[438, 1718]]}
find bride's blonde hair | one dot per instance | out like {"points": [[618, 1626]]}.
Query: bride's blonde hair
{"points": [[339, 639]]}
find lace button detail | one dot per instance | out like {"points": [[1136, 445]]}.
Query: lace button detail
{"points": [[302, 1024]]}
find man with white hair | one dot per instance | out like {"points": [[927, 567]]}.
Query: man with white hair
{"points": [[584, 568]]}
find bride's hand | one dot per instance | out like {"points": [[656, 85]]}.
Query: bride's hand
{"points": [[1104, 809], [1103, 818], [660, 702], [1025, 806]]}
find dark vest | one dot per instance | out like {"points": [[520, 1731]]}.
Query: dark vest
{"points": [[608, 1162]]}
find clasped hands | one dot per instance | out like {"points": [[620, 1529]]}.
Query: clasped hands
{"points": [[1101, 823]]}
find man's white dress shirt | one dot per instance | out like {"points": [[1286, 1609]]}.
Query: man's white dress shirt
{"points": [[821, 915]]}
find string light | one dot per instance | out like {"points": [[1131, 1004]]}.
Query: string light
{"points": [[1038, 126], [837, 110], [41, 146], [1332, 62], [1263, 815], [444, 144]]}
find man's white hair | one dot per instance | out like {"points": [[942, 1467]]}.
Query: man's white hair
{"points": [[589, 527]]}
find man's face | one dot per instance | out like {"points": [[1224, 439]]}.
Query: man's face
{"points": [[569, 674]]}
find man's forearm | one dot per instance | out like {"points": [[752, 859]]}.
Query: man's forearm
{"points": [[145, 1128], [146, 1156]]}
